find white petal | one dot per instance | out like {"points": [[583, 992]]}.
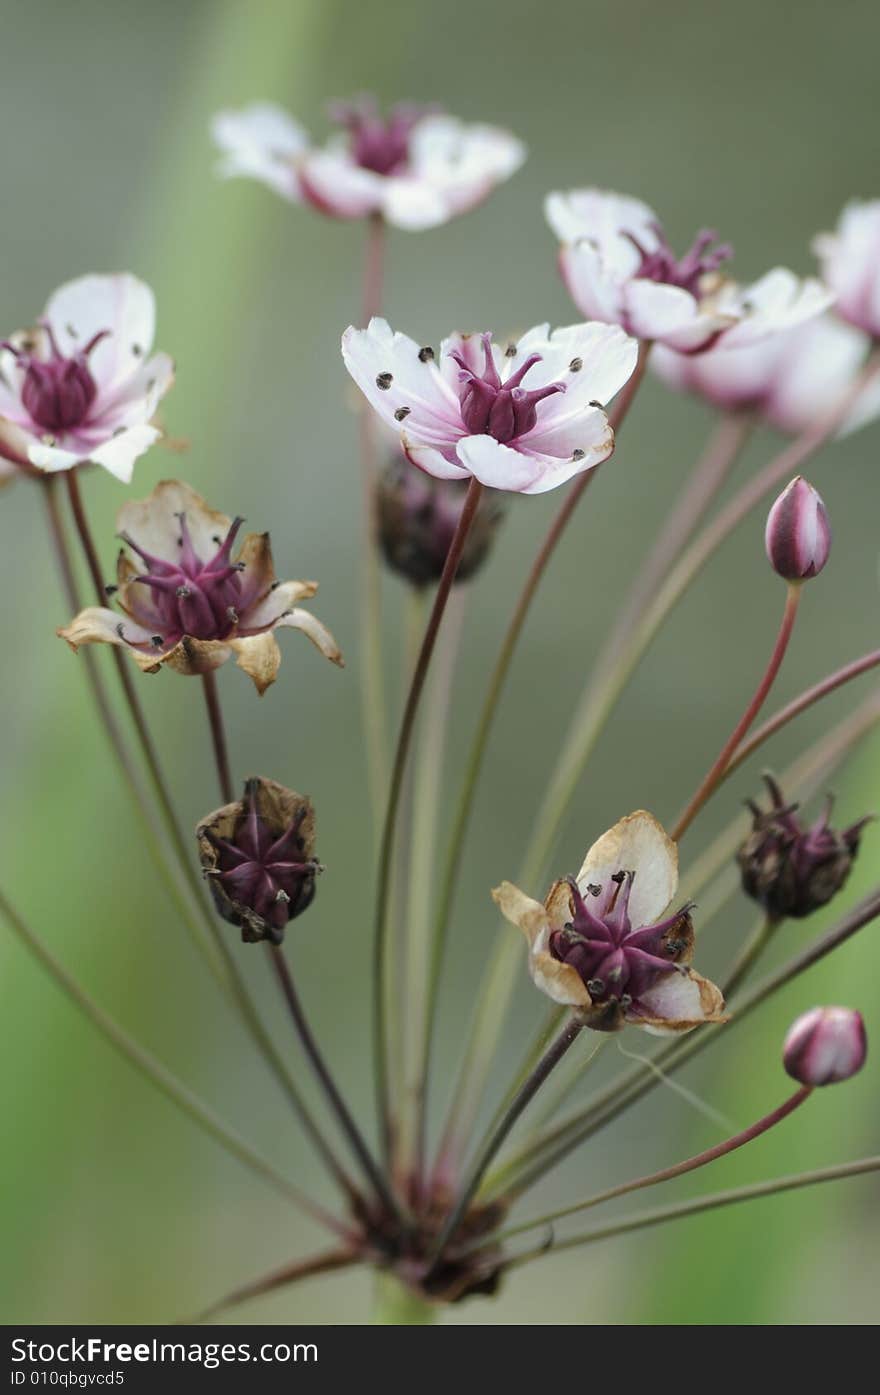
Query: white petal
{"points": [[682, 1001], [596, 292], [637, 843], [592, 360], [119, 454], [429, 406], [602, 218], [567, 444], [431, 461], [670, 315], [850, 261], [260, 142], [311, 627], [121, 304], [333, 183], [413, 204], [779, 301], [154, 524], [498, 466]]}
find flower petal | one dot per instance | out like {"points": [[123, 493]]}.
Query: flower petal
{"points": [[259, 657], [267, 612], [432, 461], [637, 843], [595, 291], [678, 1003], [527, 915], [260, 141], [334, 184], [154, 523], [529, 471], [316, 632], [118, 455], [671, 315], [402, 386], [779, 301], [91, 304]]}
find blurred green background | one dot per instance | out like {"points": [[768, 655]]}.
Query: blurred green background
{"points": [[757, 119]]}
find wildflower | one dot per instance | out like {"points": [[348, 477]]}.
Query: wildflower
{"points": [[619, 267], [825, 1045], [850, 262], [417, 517], [416, 167], [257, 855], [526, 418], [792, 379], [79, 388], [187, 602], [797, 537], [791, 870], [604, 942]]}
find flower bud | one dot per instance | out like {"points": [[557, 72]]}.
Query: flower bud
{"points": [[825, 1045], [791, 870], [417, 517], [798, 534], [257, 856]]}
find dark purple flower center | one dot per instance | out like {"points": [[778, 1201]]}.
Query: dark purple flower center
{"points": [[57, 391], [688, 271], [803, 850], [616, 962], [492, 408], [265, 871], [379, 143], [189, 596]]}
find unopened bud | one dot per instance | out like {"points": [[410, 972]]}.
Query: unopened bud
{"points": [[825, 1045], [417, 516], [257, 856], [798, 534]]}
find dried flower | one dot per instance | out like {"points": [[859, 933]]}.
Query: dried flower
{"points": [[417, 517], [604, 943], [527, 418], [79, 387], [417, 167], [850, 262], [793, 379], [190, 604], [258, 857], [791, 870], [619, 268], [798, 534], [825, 1045]]}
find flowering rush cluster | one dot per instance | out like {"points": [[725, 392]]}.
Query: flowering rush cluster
{"points": [[452, 424]]}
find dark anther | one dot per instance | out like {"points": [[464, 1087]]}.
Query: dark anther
{"points": [[593, 889], [576, 365], [578, 454], [595, 987], [426, 354], [618, 877], [401, 413], [110, 589], [510, 351], [384, 381], [675, 946], [156, 641], [182, 592], [595, 403]]}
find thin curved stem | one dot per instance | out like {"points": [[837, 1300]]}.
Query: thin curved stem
{"points": [[800, 704], [715, 775], [334, 1098], [714, 1201], [664, 1174], [148, 748], [749, 955], [158, 1074], [218, 736], [569, 1034], [326, 1263], [373, 705], [386, 851]]}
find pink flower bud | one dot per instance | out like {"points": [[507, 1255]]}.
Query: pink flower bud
{"points": [[825, 1045], [798, 534]]}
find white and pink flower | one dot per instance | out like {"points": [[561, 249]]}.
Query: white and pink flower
{"points": [[80, 387], [607, 942], [792, 380], [526, 417], [416, 167], [850, 262], [619, 267]]}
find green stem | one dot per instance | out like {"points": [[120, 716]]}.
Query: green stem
{"points": [[159, 1076], [395, 1305]]}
